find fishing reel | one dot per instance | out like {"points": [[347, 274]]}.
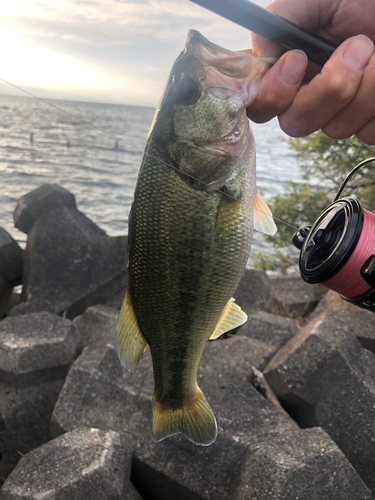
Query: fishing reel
{"points": [[338, 250]]}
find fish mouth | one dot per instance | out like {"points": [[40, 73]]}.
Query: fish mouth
{"points": [[228, 70], [236, 141]]}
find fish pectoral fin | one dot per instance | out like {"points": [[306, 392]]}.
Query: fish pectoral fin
{"points": [[263, 219], [232, 317], [130, 342], [195, 420]]}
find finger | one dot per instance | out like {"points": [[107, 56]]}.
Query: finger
{"points": [[359, 111], [330, 91], [278, 87], [367, 133]]}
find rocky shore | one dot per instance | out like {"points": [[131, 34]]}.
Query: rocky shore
{"points": [[74, 425]]}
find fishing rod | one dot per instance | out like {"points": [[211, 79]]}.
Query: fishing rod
{"points": [[338, 250], [273, 27]]}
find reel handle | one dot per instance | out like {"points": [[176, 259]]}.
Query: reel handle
{"points": [[300, 236], [368, 271]]}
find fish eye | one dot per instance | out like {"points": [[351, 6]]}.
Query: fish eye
{"points": [[188, 92]]}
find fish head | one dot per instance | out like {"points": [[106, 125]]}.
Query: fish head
{"points": [[201, 118]]}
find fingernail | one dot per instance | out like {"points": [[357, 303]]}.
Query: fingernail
{"points": [[358, 52], [294, 67]]}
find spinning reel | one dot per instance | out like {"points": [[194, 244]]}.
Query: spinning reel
{"points": [[338, 250]]}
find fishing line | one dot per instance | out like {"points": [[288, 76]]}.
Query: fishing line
{"points": [[347, 178], [131, 145]]}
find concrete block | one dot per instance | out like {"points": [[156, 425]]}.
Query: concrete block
{"points": [[293, 297], [97, 325], [36, 348], [99, 392], [25, 416], [82, 464], [303, 465], [360, 321], [40, 202], [270, 328], [254, 291], [11, 259], [325, 378], [70, 264], [5, 296]]}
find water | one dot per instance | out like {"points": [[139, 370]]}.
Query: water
{"points": [[85, 161]]}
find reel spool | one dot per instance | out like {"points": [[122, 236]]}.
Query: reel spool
{"points": [[338, 251]]}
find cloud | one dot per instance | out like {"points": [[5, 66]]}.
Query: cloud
{"points": [[115, 22], [123, 44]]}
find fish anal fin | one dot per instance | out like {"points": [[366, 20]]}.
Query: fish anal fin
{"points": [[195, 420], [232, 317], [130, 342], [263, 220]]}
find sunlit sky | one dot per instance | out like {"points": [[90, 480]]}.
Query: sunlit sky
{"points": [[116, 51]]}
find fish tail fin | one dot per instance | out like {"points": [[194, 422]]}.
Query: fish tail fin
{"points": [[194, 419]]}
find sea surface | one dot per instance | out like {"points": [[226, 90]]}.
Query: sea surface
{"points": [[40, 144]]}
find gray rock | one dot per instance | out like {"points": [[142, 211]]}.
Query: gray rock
{"points": [[70, 263], [5, 296], [36, 348], [40, 202], [293, 297], [11, 259], [360, 321], [325, 378], [99, 392], [97, 325], [254, 291], [332, 301], [82, 464], [272, 329], [14, 300], [25, 416], [303, 465]]}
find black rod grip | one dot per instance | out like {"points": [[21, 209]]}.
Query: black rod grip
{"points": [[273, 27]]}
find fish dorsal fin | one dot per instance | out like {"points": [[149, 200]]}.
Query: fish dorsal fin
{"points": [[130, 342], [232, 317], [263, 220]]}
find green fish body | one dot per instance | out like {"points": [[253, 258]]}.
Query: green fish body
{"points": [[190, 230]]}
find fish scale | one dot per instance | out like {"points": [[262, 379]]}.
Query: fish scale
{"points": [[188, 243]]}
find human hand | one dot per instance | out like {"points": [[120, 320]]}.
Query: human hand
{"points": [[340, 98]]}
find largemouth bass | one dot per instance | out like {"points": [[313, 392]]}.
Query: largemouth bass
{"points": [[190, 229]]}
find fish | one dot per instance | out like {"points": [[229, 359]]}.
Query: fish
{"points": [[190, 229]]}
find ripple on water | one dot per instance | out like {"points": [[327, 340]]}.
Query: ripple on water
{"points": [[101, 175]]}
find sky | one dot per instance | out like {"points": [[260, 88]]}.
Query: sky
{"points": [[114, 51]]}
